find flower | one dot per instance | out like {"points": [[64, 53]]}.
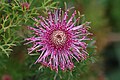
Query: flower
{"points": [[59, 40]]}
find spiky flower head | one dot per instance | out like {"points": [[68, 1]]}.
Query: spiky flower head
{"points": [[59, 40]]}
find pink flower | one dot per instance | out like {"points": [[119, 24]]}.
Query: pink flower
{"points": [[59, 40]]}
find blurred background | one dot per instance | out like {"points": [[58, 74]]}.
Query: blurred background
{"points": [[104, 64]]}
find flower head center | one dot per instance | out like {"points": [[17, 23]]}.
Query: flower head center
{"points": [[58, 37]]}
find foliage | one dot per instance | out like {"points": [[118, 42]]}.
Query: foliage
{"points": [[13, 21]]}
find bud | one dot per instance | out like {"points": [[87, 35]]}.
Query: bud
{"points": [[6, 77], [25, 6]]}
